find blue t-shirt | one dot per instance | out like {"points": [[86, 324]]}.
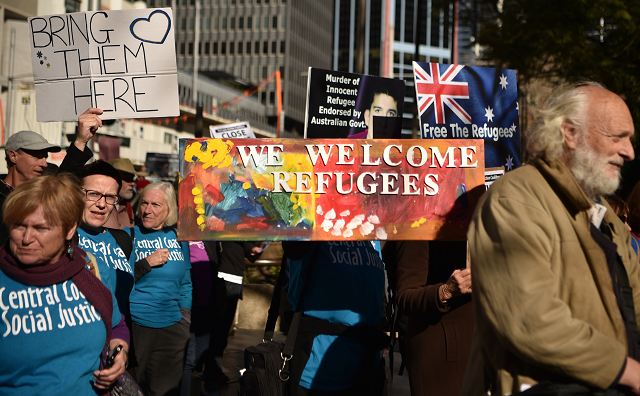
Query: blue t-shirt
{"points": [[111, 260], [50, 339], [346, 287], [157, 297]]}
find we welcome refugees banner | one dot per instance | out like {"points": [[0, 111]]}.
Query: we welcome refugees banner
{"points": [[469, 102], [122, 62], [330, 189]]}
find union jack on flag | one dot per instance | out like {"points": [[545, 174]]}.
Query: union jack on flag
{"points": [[469, 102], [439, 89]]}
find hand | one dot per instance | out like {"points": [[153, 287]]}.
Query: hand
{"points": [[255, 250], [106, 377], [159, 257], [459, 283], [631, 376], [88, 124]]}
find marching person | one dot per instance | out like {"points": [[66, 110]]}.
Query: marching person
{"points": [[556, 286], [58, 317], [161, 299]]}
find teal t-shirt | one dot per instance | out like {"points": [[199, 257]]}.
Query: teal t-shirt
{"points": [[346, 287], [50, 339], [157, 297], [113, 265]]}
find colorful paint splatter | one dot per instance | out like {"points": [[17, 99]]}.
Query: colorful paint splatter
{"points": [[290, 189]]}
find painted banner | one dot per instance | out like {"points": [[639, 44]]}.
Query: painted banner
{"points": [[342, 189], [469, 102], [341, 105], [123, 62], [239, 130]]}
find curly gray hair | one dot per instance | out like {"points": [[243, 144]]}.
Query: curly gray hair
{"points": [[546, 137]]}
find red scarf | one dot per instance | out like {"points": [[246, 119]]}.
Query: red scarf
{"points": [[63, 269]]}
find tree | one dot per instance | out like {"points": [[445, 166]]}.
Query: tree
{"points": [[566, 40]]}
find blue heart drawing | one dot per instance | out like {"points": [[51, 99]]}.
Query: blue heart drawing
{"points": [[149, 20]]}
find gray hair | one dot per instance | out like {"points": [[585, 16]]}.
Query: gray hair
{"points": [[170, 196], [546, 137]]}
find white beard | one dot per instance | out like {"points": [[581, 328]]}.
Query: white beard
{"points": [[590, 170]]}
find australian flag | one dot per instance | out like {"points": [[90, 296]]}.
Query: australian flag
{"points": [[471, 102]]}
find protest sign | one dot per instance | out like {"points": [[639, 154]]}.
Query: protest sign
{"points": [[491, 175], [239, 130], [122, 62], [338, 189], [343, 104], [468, 102]]}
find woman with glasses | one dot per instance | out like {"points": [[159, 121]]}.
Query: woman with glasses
{"points": [[111, 249]]}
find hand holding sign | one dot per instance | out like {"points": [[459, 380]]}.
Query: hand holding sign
{"points": [[88, 124]]}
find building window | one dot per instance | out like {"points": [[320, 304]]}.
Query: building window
{"points": [[207, 23], [249, 23], [274, 47], [282, 72], [168, 138], [265, 47], [190, 50], [199, 48], [240, 22], [255, 73], [182, 45], [265, 22], [232, 23], [231, 47], [216, 23], [248, 73], [264, 72], [248, 47], [272, 98], [283, 22], [240, 45], [223, 48], [282, 47], [215, 48], [224, 23], [257, 23], [256, 47], [206, 48], [183, 24], [274, 22], [73, 6], [191, 23]]}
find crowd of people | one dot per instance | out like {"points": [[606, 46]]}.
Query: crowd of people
{"points": [[94, 281]]}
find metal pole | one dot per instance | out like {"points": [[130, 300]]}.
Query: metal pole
{"points": [[12, 57], [196, 42]]}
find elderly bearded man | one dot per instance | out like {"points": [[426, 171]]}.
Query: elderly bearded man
{"points": [[556, 285]]}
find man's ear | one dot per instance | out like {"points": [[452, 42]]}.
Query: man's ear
{"points": [[13, 156], [571, 134], [366, 116]]}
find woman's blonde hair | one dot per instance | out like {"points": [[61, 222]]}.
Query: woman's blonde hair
{"points": [[60, 197], [170, 196]]}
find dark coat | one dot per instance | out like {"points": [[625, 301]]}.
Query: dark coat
{"points": [[438, 338]]}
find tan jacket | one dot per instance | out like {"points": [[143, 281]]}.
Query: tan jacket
{"points": [[543, 298]]}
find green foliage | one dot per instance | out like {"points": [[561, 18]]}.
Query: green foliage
{"points": [[566, 40]]}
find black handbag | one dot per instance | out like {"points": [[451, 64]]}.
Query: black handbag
{"points": [[267, 364]]}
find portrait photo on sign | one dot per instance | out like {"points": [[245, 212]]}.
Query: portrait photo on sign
{"points": [[341, 105]]}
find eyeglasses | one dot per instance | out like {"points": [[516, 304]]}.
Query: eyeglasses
{"points": [[623, 218], [96, 196]]}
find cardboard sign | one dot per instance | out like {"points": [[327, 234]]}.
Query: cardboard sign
{"points": [[342, 104], [123, 62], [344, 189], [239, 130], [468, 102]]}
